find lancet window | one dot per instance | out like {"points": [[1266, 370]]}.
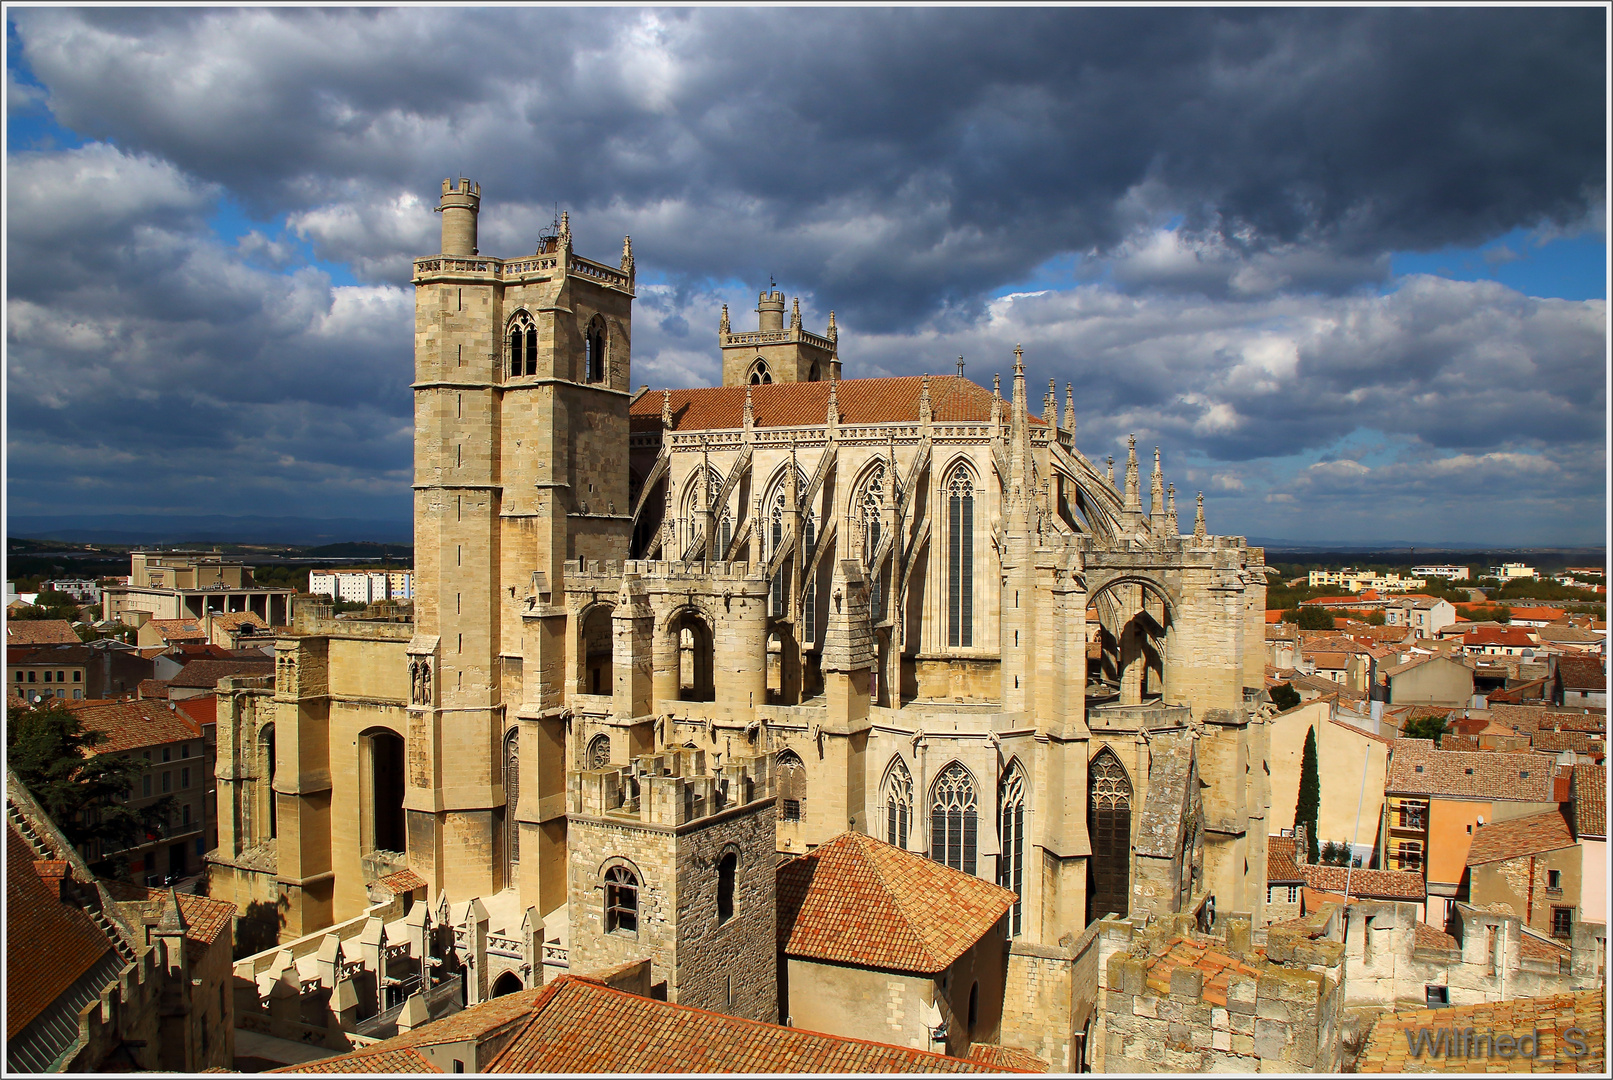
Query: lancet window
{"points": [[960, 496], [898, 800], [523, 342], [954, 819], [1011, 833]]}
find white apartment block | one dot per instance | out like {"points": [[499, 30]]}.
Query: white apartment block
{"points": [[1449, 573], [362, 586], [1508, 571], [1357, 580], [84, 590]]}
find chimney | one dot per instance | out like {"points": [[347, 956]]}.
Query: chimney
{"points": [[1302, 847]]}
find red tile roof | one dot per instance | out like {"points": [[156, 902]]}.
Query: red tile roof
{"points": [[132, 725], [579, 1026], [235, 619], [1582, 672], [404, 881], [1517, 837], [1375, 884], [1390, 1047], [375, 1061], [1010, 1058], [856, 900], [861, 401], [152, 689], [1417, 768], [1280, 866], [478, 1022], [1499, 637], [40, 632], [1547, 613], [177, 629], [205, 674], [205, 918], [1218, 968], [202, 710], [1590, 800], [1426, 937], [49, 944]]}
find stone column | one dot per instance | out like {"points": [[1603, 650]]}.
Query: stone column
{"points": [[633, 627]]}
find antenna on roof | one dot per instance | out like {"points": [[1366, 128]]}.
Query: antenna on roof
{"points": [[771, 284]]}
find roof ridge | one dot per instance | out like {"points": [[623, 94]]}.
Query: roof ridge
{"points": [[895, 894]]}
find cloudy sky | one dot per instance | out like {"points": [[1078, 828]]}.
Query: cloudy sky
{"points": [[1347, 267]]}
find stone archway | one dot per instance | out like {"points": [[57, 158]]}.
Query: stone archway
{"points": [[1134, 614], [507, 983], [694, 646], [595, 644]]}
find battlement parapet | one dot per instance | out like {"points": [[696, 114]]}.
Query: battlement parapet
{"points": [[671, 788]]}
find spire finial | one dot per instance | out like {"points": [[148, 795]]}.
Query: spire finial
{"points": [[960, 365], [997, 384], [750, 412], [1133, 501], [924, 399], [725, 327], [1069, 410], [795, 314], [627, 255], [1050, 404], [666, 410], [1199, 531], [565, 228], [1172, 529], [833, 331], [1110, 473], [1019, 360], [834, 400]]}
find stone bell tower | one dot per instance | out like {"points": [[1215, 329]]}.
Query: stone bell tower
{"points": [[522, 377], [775, 353]]}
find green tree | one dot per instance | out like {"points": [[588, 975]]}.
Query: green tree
{"points": [[1425, 727], [1312, 618], [1284, 696], [1375, 618], [1308, 807], [85, 792]]}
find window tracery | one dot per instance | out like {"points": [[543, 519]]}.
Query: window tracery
{"points": [[954, 818]]}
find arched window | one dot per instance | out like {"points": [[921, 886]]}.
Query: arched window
{"points": [[809, 616], [594, 358], [791, 786], [382, 789], [812, 374], [1109, 825], [266, 770], [523, 341], [954, 819], [722, 516], [759, 375], [621, 901], [1011, 833], [776, 538], [598, 642], [960, 495], [868, 508], [727, 867], [599, 752], [974, 1007], [512, 792], [898, 798]]}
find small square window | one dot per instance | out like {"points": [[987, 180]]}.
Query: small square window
{"points": [[184, 778], [167, 753], [1554, 879], [1437, 996], [1562, 922], [78, 676], [167, 782]]}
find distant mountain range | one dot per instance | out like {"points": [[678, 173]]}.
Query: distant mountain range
{"points": [[207, 528], [1428, 547]]}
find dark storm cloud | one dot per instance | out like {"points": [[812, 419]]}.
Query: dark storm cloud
{"points": [[896, 159], [1222, 188]]}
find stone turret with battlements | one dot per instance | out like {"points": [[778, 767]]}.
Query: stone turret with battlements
{"points": [[775, 352]]}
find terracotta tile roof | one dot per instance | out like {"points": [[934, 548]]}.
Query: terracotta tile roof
{"points": [[856, 900], [1374, 884], [1426, 937], [1540, 949], [1389, 1048], [1590, 800], [1580, 742], [1567, 635], [202, 710], [235, 619], [53, 653], [49, 944], [404, 881], [153, 689], [1547, 613], [1328, 661], [1218, 968], [375, 1061], [1582, 672], [1417, 768], [478, 1022], [131, 725], [40, 632], [173, 630], [1517, 837], [205, 917], [1500, 637], [1280, 866], [1010, 1058], [578, 1026], [861, 401], [205, 674]]}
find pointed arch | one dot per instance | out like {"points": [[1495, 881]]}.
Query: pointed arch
{"points": [[595, 351], [1109, 826], [896, 795], [959, 486], [791, 785], [1011, 835], [955, 818], [598, 754], [512, 798], [521, 341], [760, 374]]}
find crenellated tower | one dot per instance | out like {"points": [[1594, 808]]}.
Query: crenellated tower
{"points": [[775, 353], [522, 377]]}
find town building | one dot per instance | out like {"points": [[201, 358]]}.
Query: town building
{"points": [[1449, 573], [1358, 580], [1428, 679], [1509, 571], [1425, 614], [84, 590], [1579, 681], [73, 672], [1554, 1033], [40, 632], [1531, 864], [362, 586], [188, 585], [866, 598]]}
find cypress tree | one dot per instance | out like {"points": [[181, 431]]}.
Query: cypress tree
{"points": [[1308, 807]]}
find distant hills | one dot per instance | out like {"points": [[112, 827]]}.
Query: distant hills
{"points": [[209, 528]]}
